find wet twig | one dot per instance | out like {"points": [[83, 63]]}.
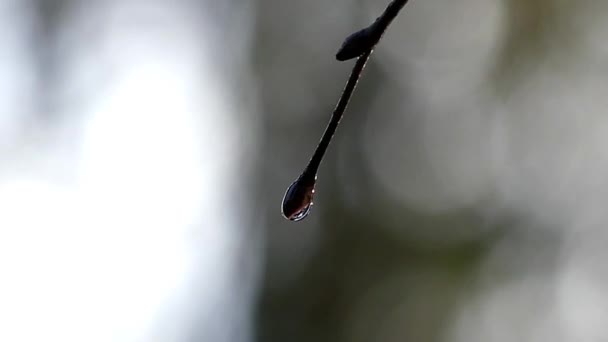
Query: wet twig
{"points": [[298, 197]]}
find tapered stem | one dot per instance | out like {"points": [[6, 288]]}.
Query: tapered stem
{"points": [[376, 29], [355, 74]]}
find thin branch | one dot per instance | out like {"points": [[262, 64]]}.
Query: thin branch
{"points": [[298, 197], [355, 74]]}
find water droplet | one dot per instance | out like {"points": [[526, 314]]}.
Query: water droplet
{"points": [[298, 198]]}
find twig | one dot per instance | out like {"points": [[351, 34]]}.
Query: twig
{"points": [[298, 197]]}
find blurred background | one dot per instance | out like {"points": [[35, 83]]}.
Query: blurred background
{"points": [[145, 147]]}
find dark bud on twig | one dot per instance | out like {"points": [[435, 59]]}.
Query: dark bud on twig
{"points": [[354, 45], [367, 38], [357, 43]]}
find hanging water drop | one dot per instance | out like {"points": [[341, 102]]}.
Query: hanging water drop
{"points": [[298, 198]]}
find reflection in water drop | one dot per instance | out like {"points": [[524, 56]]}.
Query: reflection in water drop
{"points": [[301, 214], [298, 198]]}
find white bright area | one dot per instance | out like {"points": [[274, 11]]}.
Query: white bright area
{"points": [[119, 153]]}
